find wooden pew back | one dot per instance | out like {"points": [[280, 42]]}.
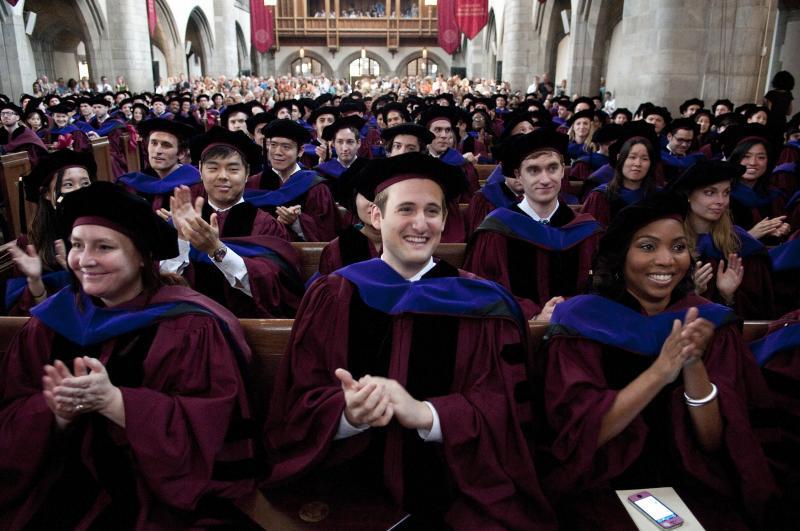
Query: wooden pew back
{"points": [[101, 149], [14, 166]]}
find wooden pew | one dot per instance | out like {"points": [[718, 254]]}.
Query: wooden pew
{"points": [[101, 150], [132, 155], [14, 166], [484, 170]]}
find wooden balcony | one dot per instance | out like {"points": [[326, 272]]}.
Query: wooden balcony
{"points": [[294, 21]]}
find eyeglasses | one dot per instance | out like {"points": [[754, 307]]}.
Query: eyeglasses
{"points": [[682, 141], [7, 113]]}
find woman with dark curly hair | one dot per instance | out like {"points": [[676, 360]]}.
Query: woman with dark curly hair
{"points": [[646, 384]]}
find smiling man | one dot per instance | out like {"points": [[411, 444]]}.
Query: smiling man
{"points": [[167, 142], [418, 404], [537, 248], [230, 250]]}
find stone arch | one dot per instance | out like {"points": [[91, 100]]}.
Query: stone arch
{"points": [[198, 32], [167, 39], [551, 31], [591, 37], [432, 56], [242, 54], [343, 70], [491, 45], [60, 29], [286, 64]]}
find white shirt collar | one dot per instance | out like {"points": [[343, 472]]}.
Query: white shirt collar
{"points": [[296, 169], [528, 209], [212, 205], [430, 265], [351, 162]]}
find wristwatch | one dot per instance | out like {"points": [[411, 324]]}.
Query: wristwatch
{"points": [[219, 254]]}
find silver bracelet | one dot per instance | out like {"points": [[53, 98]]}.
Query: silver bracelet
{"points": [[699, 402]]}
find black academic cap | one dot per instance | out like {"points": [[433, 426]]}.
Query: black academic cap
{"points": [[258, 119], [691, 101], [233, 109], [307, 103], [726, 102], [10, 106], [180, 130], [342, 123], [323, 98], [49, 98], [220, 94], [607, 134], [661, 111], [127, 213], [518, 147], [703, 112], [753, 110], [660, 205], [744, 109], [382, 173], [682, 123], [144, 108], [41, 175], [217, 136], [396, 107], [447, 97], [100, 100], [736, 134], [585, 99], [158, 97], [203, 97], [438, 112], [61, 108], [352, 106], [705, 173], [514, 119], [424, 135], [728, 119], [586, 113], [287, 128], [635, 129], [4, 98], [321, 111], [622, 110]]}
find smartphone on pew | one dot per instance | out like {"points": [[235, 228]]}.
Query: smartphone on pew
{"points": [[655, 510]]}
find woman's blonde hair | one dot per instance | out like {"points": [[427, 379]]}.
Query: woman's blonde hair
{"points": [[588, 140], [722, 234]]}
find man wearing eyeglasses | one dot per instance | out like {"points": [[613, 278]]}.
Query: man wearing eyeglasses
{"points": [[15, 138], [676, 155]]}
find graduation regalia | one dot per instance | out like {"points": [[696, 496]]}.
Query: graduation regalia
{"points": [[349, 247], [272, 265], [494, 194], [178, 360], [598, 346], [481, 474], [319, 217], [598, 205], [158, 191], [533, 261]]}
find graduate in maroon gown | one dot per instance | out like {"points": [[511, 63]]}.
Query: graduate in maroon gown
{"points": [[316, 149], [15, 138], [39, 254], [732, 268], [362, 395], [635, 158], [65, 134], [230, 250], [166, 144], [130, 392], [298, 198], [344, 137], [538, 248], [441, 121], [646, 384]]}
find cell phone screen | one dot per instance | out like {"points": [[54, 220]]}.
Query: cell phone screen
{"points": [[655, 509]]}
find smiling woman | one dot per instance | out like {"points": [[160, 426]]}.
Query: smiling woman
{"points": [[632, 379], [127, 365]]}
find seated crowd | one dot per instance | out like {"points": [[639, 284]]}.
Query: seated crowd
{"points": [[644, 241]]}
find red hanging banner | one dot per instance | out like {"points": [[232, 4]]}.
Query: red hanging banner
{"points": [[12, 2], [262, 26], [152, 18], [471, 16], [448, 33]]}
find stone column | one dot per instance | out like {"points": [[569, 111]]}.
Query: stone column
{"points": [[587, 40], [476, 57], [517, 42], [17, 68], [129, 44], [224, 57]]}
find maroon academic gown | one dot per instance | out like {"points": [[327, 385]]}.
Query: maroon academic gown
{"points": [[276, 293], [658, 448], [119, 156], [480, 477], [177, 457], [533, 274], [22, 139], [349, 247], [782, 374], [319, 216], [23, 305], [480, 207]]}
